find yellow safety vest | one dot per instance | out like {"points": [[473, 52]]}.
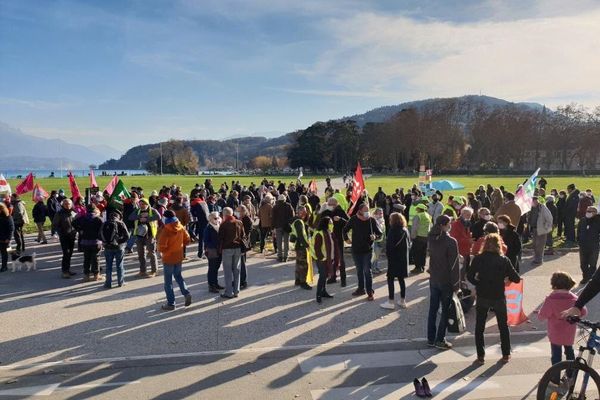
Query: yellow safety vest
{"points": [[153, 224], [313, 252]]}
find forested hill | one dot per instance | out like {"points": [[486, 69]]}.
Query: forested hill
{"points": [[211, 153]]}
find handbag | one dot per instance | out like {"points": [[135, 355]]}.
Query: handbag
{"points": [[456, 316]]}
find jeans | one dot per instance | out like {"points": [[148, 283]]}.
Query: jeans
{"points": [[283, 242], [231, 268], [322, 282], [131, 240], [213, 271], [67, 244], [19, 238], [377, 250], [200, 238], [499, 306], [173, 271], [116, 256], [41, 235], [588, 261], [4, 254], [146, 244], [301, 265], [557, 353], [390, 282], [440, 295], [539, 242], [90, 259], [363, 271]]}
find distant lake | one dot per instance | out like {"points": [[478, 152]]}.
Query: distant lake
{"points": [[45, 173]]}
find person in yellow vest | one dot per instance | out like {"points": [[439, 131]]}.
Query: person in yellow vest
{"points": [[321, 250], [299, 236], [145, 227], [419, 231]]}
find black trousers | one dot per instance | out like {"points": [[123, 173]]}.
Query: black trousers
{"points": [[570, 229], [390, 282], [339, 261], [588, 260], [4, 254], [499, 306], [67, 244], [90, 259], [322, 282], [264, 232], [419, 248]]}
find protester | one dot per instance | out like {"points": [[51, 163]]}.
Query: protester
{"points": [[130, 208], [145, 228], [299, 236], [7, 228], [461, 231], [570, 213], [212, 250], [397, 250], [281, 217], [39, 214], [554, 212], [266, 224], [419, 232], [561, 206], [483, 217], [435, 206], [444, 279], [378, 244], [561, 333], [182, 213], [488, 272], [510, 208], [497, 199], [53, 206], [321, 249], [20, 219], [114, 235], [173, 239], [231, 233], [89, 227], [588, 236], [242, 214], [339, 217], [364, 232], [63, 224], [540, 224], [511, 239]]}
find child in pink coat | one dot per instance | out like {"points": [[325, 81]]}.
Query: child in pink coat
{"points": [[560, 332]]}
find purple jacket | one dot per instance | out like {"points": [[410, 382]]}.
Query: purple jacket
{"points": [[560, 332]]}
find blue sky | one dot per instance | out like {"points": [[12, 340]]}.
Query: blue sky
{"points": [[131, 72]]}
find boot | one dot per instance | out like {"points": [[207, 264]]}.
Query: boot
{"points": [[343, 281], [326, 295]]}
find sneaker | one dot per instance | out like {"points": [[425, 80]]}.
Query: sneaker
{"points": [[388, 305], [167, 307], [71, 273], [480, 361], [402, 303], [213, 289], [151, 275], [66, 275], [98, 277], [430, 344], [243, 285], [128, 251], [188, 300], [358, 292], [219, 287], [45, 242], [326, 295], [443, 345]]}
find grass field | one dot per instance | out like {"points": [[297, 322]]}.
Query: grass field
{"points": [[388, 183]]}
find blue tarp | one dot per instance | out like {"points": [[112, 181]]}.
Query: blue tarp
{"points": [[447, 185]]}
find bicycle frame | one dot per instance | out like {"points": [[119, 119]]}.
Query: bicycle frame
{"points": [[592, 345]]}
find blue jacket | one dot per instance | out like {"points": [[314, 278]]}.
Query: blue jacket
{"points": [[211, 237]]}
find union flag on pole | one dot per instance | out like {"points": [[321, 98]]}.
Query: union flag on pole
{"points": [[26, 185], [4, 185], [75, 193], [39, 194], [524, 196], [358, 186], [93, 183], [111, 185]]}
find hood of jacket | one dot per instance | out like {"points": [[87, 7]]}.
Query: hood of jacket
{"points": [[173, 227]]}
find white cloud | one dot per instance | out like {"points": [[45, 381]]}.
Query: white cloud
{"points": [[527, 59]]}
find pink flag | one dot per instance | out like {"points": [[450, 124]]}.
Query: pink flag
{"points": [[93, 179], [39, 193], [75, 193], [26, 185], [111, 185], [357, 187]]}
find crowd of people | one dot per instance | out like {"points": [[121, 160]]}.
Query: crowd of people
{"points": [[475, 238]]}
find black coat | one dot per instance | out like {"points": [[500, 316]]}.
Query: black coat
{"points": [[572, 204], [338, 226], [397, 248], [588, 232], [53, 206], [554, 211], [39, 212], [487, 272], [513, 244], [7, 228]]}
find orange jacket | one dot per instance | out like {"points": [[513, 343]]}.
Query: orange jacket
{"points": [[172, 238]]}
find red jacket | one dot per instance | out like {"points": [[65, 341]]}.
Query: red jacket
{"points": [[462, 234]]}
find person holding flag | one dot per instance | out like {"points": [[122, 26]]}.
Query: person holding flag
{"points": [[540, 224]]}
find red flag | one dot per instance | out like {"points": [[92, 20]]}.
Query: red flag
{"points": [[93, 183], [26, 185], [514, 303], [39, 193], [358, 186], [313, 186], [111, 185], [75, 193]]}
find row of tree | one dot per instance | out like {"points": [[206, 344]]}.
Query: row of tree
{"points": [[443, 137]]}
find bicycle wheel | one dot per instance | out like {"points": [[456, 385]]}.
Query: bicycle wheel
{"points": [[571, 380]]}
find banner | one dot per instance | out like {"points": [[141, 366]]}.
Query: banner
{"points": [[358, 186], [75, 193], [26, 185], [4, 185], [524, 196], [39, 194], [111, 185], [93, 179], [514, 303]]}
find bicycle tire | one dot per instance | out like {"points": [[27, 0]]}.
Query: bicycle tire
{"points": [[563, 366]]}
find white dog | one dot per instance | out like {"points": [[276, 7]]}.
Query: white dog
{"points": [[18, 262]]}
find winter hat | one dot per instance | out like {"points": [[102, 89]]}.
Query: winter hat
{"points": [[163, 201], [170, 217]]}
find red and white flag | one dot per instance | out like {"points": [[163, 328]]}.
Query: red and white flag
{"points": [[26, 185], [358, 187], [111, 185], [4, 185], [93, 183], [75, 193], [39, 194]]}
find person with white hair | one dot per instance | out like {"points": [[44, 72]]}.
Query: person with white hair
{"points": [[231, 236], [281, 217], [212, 247], [63, 224]]}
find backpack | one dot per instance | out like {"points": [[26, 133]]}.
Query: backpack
{"points": [[110, 233]]}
